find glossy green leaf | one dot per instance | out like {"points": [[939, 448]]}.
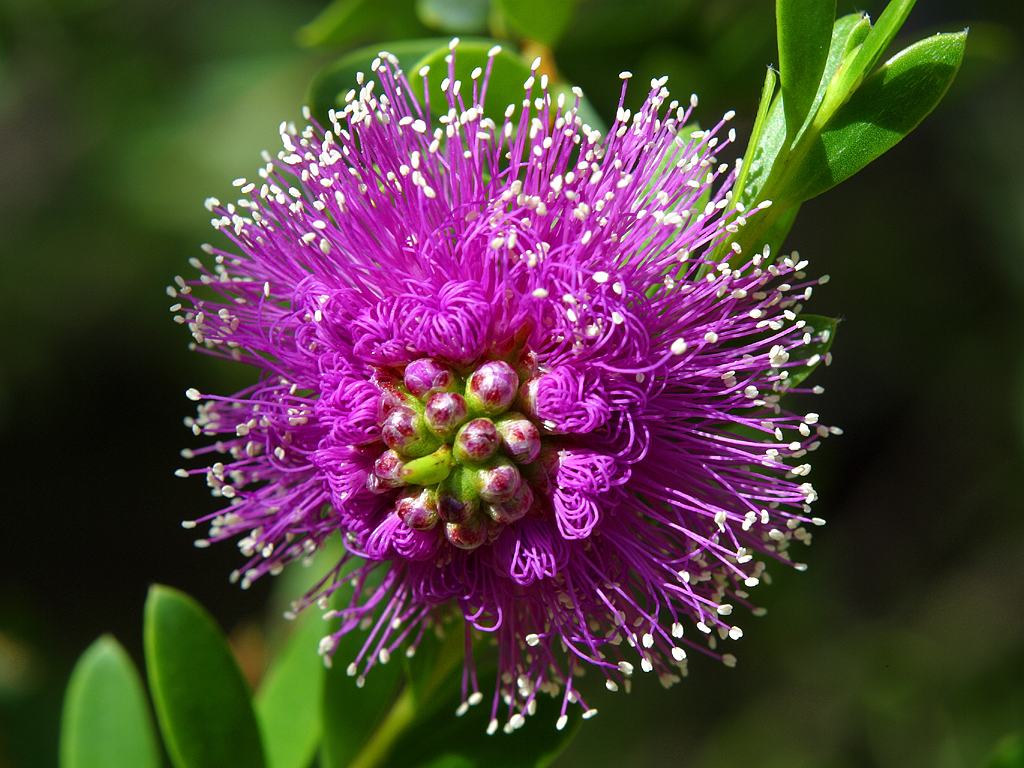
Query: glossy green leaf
{"points": [[770, 131], [774, 236], [888, 106], [203, 703], [745, 193], [329, 86], [106, 721], [859, 63], [823, 333], [847, 34], [543, 21], [459, 16], [804, 30], [344, 22], [504, 87], [350, 714], [288, 700]]}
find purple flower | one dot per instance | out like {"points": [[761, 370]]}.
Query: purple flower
{"points": [[499, 361]]}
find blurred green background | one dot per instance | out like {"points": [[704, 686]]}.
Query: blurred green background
{"points": [[904, 643]]}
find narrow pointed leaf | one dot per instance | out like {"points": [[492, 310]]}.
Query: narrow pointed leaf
{"points": [[203, 703], [288, 700], [754, 145], [848, 34], [329, 86], [888, 106], [861, 61], [770, 130], [804, 32], [106, 721]]}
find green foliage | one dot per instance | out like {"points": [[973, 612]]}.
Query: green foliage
{"points": [[1009, 753], [858, 61], [888, 106], [761, 149], [351, 708], [459, 16], [345, 22], [804, 30], [203, 704], [328, 88], [542, 21], [504, 87], [288, 699], [809, 136], [106, 722]]}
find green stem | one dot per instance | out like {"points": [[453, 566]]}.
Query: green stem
{"points": [[403, 712], [398, 719]]}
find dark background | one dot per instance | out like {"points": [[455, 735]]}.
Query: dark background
{"points": [[904, 643]]}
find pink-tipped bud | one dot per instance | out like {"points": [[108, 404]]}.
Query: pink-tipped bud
{"points": [[506, 512], [445, 412], [492, 388], [424, 376], [527, 400], [391, 396], [405, 431], [468, 535], [375, 485], [500, 482], [418, 509], [520, 438], [477, 441], [388, 468]]}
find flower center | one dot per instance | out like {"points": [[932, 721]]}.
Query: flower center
{"points": [[458, 454]]}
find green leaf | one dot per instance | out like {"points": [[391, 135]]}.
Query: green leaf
{"points": [[861, 60], [744, 193], [823, 333], [350, 714], [504, 87], [804, 30], [461, 16], [888, 106], [329, 86], [769, 134], [106, 721], [288, 700], [542, 21], [203, 704], [848, 33], [344, 22], [775, 235]]}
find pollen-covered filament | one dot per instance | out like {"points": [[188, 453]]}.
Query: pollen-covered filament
{"points": [[459, 456]]}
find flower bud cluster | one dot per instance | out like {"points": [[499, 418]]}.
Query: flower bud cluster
{"points": [[456, 451]]}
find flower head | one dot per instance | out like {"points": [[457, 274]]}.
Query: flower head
{"points": [[499, 361]]}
